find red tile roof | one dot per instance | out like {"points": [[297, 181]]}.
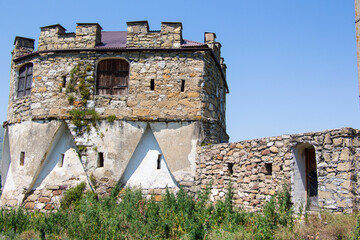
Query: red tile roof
{"points": [[117, 39]]}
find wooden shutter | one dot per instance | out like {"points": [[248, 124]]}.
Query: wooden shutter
{"points": [[113, 77], [25, 80]]}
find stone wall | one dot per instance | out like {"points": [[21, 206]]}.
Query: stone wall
{"points": [[166, 102], [258, 168]]}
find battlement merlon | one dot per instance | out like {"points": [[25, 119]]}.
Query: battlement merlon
{"points": [[23, 46], [139, 35], [209, 40], [53, 37]]}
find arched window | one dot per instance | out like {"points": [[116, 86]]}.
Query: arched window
{"points": [[25, 80], [112, 77]]}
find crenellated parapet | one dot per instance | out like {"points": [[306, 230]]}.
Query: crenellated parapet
{"points": [[139, 35], [53, 37]]}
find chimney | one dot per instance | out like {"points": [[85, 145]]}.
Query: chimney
{"points": [[23, 46]]}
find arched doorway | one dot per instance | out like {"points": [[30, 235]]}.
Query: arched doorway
{"points": [[305, 176]]}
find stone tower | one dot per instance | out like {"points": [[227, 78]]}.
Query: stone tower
{"points": [[109, 107]]}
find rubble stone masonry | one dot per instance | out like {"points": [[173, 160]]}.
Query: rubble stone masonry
{"points": [[246, 165]]}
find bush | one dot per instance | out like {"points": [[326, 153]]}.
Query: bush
{"points": [[73, 196]]}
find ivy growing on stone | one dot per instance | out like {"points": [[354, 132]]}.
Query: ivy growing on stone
{"points": [[79, 90], [81, 85]]}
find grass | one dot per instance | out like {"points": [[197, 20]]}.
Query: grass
{"points": [[83, 215]]}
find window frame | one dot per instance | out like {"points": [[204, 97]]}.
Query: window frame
{"points": [[112, 77], [24, 83]]}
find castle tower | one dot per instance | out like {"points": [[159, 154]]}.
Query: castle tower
{"points": [[109, 107]]}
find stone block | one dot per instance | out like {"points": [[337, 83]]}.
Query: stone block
{"points": [[274, 149], [345, 154], [52, 187], [33, 197], [44, 199], [141, 112], [29, 205], [39, 205], [344, 166], [265, 152], [347, 185], [46, 193], [337, 142], [49, 206], [325, 195], [57, 192], [330, 186]]}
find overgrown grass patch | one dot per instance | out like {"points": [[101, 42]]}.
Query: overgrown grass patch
{"points": [[177, 216]]}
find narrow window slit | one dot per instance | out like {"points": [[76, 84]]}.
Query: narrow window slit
{"points": [[182, 85], [152, 84], [22, 158], [64, 81], [159, 162], [231, 168], [100, 162], [61, 160], [268, 168]]}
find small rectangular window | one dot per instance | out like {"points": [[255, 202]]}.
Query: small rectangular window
{"points": [[22, 158], [61, 160], [100, 161], [64, 81], [159, 162], [182, 85], [152, 84], [268, 168], [231, 168]]}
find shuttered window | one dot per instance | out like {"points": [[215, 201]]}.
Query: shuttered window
{"points": [[112, 77], [25, 80]]}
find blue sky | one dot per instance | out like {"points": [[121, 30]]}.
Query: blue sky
{"points": [[291, 64]]}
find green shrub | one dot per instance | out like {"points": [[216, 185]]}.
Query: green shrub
{"points": [[73, 196], [176, 216]]}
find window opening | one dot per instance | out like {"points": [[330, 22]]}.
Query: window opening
{"points": [[100, 162], [159, 162], [112, 77], [268, 168], [25, 80], [64, 81], [61, 160], [22, 158], [152, 85], [182, 85], [231, 168]]}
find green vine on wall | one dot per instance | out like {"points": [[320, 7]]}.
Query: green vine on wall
{"points": [[79, 90], [81, 86]]}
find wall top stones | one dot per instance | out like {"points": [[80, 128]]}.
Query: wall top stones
{"points": [[89, 36]]}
